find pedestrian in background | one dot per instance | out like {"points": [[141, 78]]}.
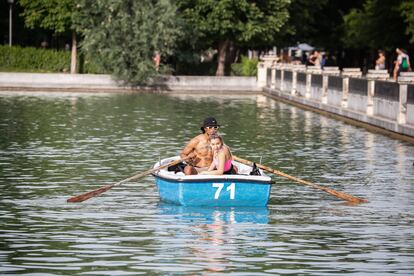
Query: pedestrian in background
{"points": [[380, 61], [315, 59], [402, 64], [157, 60]]}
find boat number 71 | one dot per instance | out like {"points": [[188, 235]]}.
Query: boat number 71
{"points": [[220, 186]]}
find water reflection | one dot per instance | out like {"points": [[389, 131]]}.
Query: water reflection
{"points": [[212, 215], [215, 231]]}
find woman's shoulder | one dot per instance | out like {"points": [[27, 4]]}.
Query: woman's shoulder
{"points": [[226, 150]]}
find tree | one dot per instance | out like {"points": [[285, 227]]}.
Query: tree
{"points": [[379, 24], [54, 15], [303, 24], [407, 11], [243, 22], [122, 36]]}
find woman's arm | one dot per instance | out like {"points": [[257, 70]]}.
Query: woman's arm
{"points": [[212, 165], [220, 167]]}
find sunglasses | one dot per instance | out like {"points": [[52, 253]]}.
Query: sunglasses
{"points": [[211, 127]]}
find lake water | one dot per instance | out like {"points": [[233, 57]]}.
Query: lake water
{"points": [[54, 146]]}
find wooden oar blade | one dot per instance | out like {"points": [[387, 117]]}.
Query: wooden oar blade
{"points": [[103, 189], [344, 196], [333, 192], [88, 195]]}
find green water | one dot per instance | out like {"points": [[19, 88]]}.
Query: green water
{"points": [[53, 146]]}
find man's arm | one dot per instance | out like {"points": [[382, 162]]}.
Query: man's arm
{"points": [[189, 148]]}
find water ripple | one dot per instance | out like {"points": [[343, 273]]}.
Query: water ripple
{"points": [[53, 146]]}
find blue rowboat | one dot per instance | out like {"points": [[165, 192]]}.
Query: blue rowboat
{"points": [[240, 189]]}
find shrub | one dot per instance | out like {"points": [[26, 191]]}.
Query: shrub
{"points": [[30, 59], [247, 67]]}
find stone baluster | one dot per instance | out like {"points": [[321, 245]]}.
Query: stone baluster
{"points": [[346, 74], [295, 70], [278, 68], [328, 71], [273, 77], [261, 75], [269, 77], [372, 76], [311, 70], [404, 79], [286, 67], [265, 63]]}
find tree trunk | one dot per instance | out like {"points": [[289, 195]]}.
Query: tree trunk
{"points": [[222, 56], [231, 53], [74, 54]]}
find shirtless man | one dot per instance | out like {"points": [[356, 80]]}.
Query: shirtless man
{"points": [[199, 147]]}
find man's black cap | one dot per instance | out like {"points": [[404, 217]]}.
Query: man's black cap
{"points": [[209, 121]]}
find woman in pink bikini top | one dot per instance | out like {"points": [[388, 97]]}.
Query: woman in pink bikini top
{"points": [[222, 158]]}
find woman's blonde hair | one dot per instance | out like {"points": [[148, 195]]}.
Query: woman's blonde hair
{"points": [[217, 136]]}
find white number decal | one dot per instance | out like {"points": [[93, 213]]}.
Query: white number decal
{"points": [[232, 189], [219, 186]]}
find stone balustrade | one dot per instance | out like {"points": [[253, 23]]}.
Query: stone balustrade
{"points": [[374, 98]]}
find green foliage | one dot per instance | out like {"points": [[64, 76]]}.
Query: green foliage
{"points": [[87, 65], [31, 59], [189, 63], [123, 35], [228, 24], [55, 15], [303, 24], [241, 21], [378, 24], [407, 11], [247, 67]]}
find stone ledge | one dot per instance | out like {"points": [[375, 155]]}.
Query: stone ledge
{"points": [[96, 83], [379, 124]]}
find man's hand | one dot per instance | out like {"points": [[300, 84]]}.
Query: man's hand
{"points": [[189, 159]]}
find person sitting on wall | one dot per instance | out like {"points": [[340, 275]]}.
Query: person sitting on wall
{"points": [[380, 61], [402, 64]]}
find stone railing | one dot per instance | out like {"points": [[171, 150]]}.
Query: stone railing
{"points": [[374, 98]]}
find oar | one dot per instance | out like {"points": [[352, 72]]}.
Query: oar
{"points": [[340, 195], [88, 195]]}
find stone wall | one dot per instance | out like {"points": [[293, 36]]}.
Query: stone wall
{"points": [[410, 104], [105, 83]]}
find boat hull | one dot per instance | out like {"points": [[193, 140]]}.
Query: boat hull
{"points": [[208, 190], [217, 193]]}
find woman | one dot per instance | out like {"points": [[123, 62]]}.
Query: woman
{"points": [[380, 62], [402, 64], [222, 158]]}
